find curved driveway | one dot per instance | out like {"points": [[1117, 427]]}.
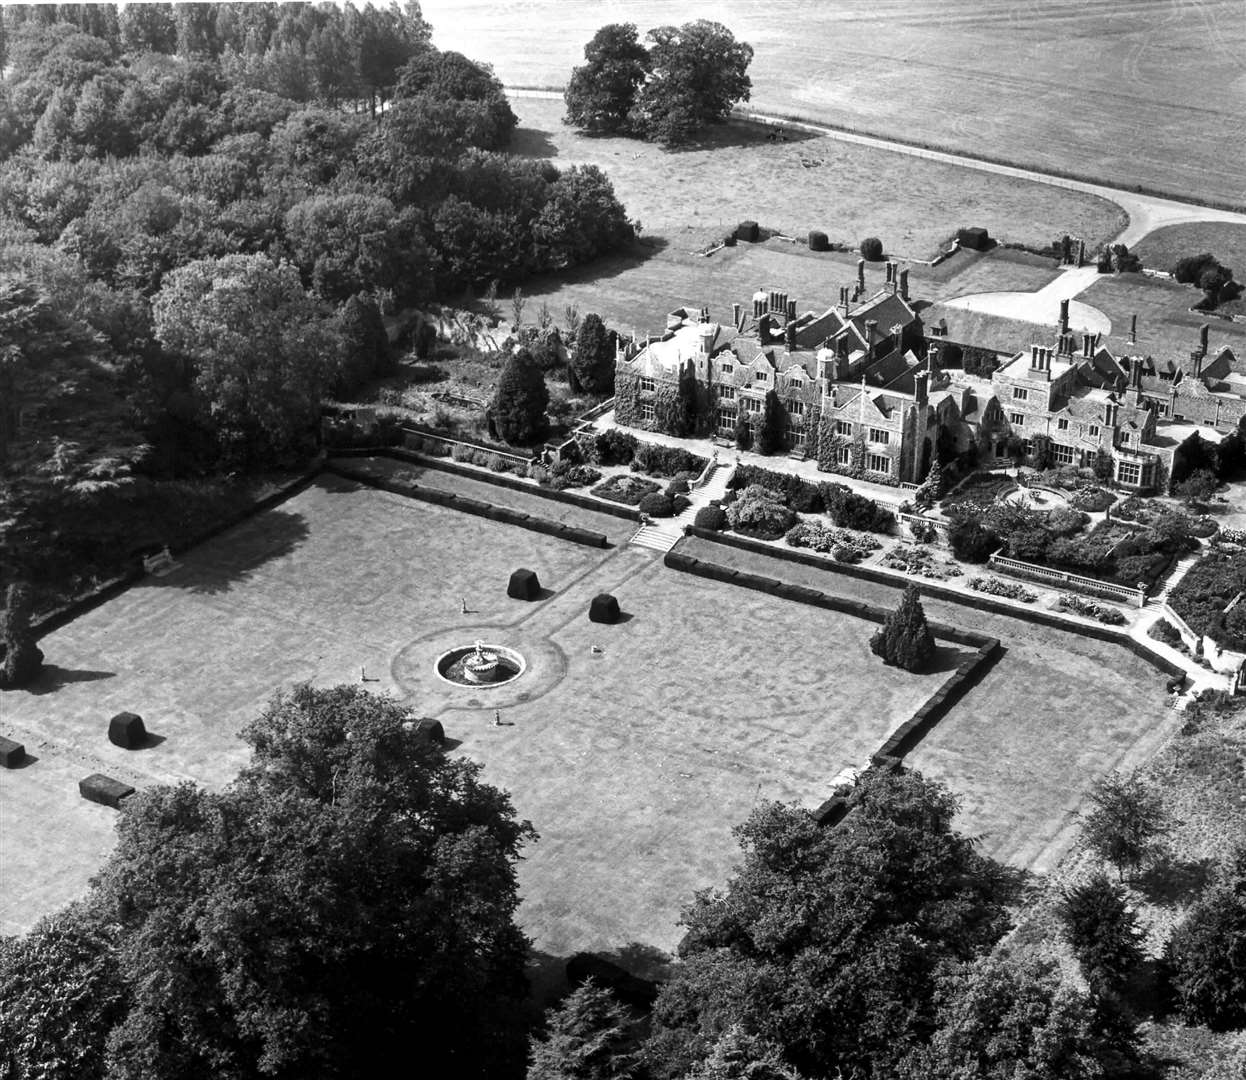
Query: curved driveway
{"points": [[1146, 212]]}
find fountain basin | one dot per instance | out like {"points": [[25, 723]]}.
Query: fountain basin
{"points": [[479, 666]]}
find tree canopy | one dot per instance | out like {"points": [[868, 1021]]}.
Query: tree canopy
{"points": [[519, 404], [687, 80], [904, 640], [827, 941], [349, 900]]}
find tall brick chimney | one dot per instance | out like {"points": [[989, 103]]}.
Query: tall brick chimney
{"points": [[1203, 332], [735, 316], [1133, 329], [1088, 346], [921, 388], [791, 311], [871, 325], [1196, 362], [904, 284], [861, 272], [1064, 316]]}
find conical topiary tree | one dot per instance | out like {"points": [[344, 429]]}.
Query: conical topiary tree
{"points": [[592, 359], [770, 432], [519, 405], [905, 640], [22, 657], [931, 488]]}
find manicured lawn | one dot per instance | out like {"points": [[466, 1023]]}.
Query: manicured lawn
{"points": [[1056, 712], [633, 762], [1161, 249], [1131, 92]]}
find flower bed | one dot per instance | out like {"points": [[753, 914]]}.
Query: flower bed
{"points": [[1091, 499], [625, 489], [1153, 515], [1079, 605], [916, 560], [845, 546], [980, 487], [1010, 590]]}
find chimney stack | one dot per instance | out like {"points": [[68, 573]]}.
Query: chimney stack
{"points": [[791, 311], [932, 359], [920, 388], [1196, 362], [870, 326], [1036, 360], [735, 316], [861, 272], [1135, 374], [1064, 316], [1088, 346], [904, 284], [1203, 331], [1133, 329], [843, 298]]}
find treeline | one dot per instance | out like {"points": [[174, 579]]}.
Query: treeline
{"points": [[205, 212]]}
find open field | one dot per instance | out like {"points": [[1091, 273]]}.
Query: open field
{"points": [[1056, 712], [1162, 248], [692, 196], [1127, 91], [633, 763]]}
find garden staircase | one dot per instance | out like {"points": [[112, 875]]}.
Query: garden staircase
{"points": [[1179, 571], [664, 535]]}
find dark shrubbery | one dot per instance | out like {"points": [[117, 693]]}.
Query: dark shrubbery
{"points": [[872, 248], [799, 495], [566, 475], [666, 460], [656, 504], [614, 447], [23, 659], [678, 486], [711, 517], [971, 542], [852, 511], [818, 241], [905, 640], [747, 231], [760, 512], [1202, 595], [518, 409], [625, 489]]}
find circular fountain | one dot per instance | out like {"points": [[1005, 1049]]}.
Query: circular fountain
{"points": [[480, 665]]}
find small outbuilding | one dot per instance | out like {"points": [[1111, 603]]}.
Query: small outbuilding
{"points": [[604, 609], [126, 730], [524, 585], [106, 791]]}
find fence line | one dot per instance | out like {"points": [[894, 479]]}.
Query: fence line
{"points": [[1092, 586]]}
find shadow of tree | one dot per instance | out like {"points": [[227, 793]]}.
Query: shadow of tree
{"points": [[52, 677], [532, 142], [642, 960], [1174, 881], [224, 562]]}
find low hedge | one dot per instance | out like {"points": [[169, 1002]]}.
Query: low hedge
{"points": [[656, 504], [476, 507], [667, 461]]}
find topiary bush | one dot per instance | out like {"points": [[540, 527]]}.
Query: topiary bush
{"points": [[678, 486], [680, 503], [758, 511], [872, 248], [905, 640], [747, 231], [711, 517], [660, 460], [656, 504], [818, 241], [614, 447]]}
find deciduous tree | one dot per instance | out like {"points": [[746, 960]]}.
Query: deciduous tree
{"points": [[263, 351], [826, 941], [1102, 932], [1125, 822], [699, 71], [601, 94]]}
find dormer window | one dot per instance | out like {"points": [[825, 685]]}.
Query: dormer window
{"points": [[727, 369], [761, 376]]}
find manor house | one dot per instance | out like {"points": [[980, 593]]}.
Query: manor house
{"points": [[864, 389]]}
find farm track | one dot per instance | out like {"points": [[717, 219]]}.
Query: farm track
{"points": [[1146, 213]]}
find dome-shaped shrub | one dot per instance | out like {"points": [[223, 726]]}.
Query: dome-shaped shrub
{"points": [[711, 517], [818, 241], [657, 504]]}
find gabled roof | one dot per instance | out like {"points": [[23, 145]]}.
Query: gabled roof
{"points": [[982, 330]]}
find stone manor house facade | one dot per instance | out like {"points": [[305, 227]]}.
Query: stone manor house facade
{"points": [[863, 392]]}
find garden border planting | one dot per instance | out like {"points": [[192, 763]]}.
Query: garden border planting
{"points": [[974, 600], [502, 514], [584, 502]]}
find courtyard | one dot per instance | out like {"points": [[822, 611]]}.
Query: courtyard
{"points": [[633, 748]]}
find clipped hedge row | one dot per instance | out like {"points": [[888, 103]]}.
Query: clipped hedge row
{"points": [[502, 514], [584, 502]]}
